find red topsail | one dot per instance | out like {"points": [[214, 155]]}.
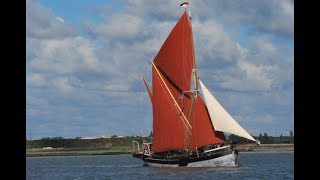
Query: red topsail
{"points": [[175, 58]]}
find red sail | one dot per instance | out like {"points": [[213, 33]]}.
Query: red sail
{"points": [[174, 61], [175, 58], [203, 132], [168, 127]]}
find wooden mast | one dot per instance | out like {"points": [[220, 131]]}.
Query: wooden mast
{"points": [[194, 74]]}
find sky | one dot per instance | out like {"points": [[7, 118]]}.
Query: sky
{"points": [[85, 59]]}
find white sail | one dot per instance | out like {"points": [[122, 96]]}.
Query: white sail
{"points": [[220, 118]]}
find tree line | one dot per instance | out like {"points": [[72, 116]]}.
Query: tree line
{"points": [[264, 139]]}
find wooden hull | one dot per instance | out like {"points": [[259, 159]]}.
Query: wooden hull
{"points": [[226, 157], [138, 155]]}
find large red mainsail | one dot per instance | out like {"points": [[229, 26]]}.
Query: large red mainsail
{"points": [[203, 132], [168, 128], [174, 62], [175, 58]]}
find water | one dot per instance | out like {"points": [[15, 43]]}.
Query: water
{"points": [[251, 165]]}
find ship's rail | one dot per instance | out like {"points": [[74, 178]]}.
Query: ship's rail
{"points": [[216, 149]]}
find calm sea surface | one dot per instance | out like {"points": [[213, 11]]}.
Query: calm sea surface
{"points": [[251, 165]]}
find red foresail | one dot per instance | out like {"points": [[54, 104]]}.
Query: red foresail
{"points": [[203, 132], [168, 127], [175, 58]]}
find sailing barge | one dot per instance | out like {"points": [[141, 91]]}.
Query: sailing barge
{"points": [[188, 124]]}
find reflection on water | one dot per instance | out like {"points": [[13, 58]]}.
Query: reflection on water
{"points": [[251, 165]]}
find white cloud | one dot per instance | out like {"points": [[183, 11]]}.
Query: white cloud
{"points": [[36, 80], [63, 85], [60, 19], [31, 112], [274, 16], [165, 9], [119, 26], [212, 41], [66, 56], [266, 119], [261, 45], [41, 23], [118, 87]]}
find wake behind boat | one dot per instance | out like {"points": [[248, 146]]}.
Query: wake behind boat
{"points": [[188, 124]]}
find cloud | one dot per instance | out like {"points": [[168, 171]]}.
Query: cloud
{"points": [[41, 23], [36, 80], [31, 112], [254, 78], [267, 16], [266, 118], [71, 55], [118, 87], [212, 42], [60, 19], [62, 85], [119, 27], [274, 16], [160, 10]]}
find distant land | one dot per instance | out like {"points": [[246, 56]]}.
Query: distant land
{"points": [[58, 146], [82, 146]]}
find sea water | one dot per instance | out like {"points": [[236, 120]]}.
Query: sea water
{"points": [[251, 165]]}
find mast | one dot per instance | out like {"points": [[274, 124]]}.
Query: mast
{"points": [[194, 69], [190, 141]]}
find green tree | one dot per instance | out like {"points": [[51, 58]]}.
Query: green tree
{"points": [[291, 133], [281, 138], [114, 136], [151, 134], [260, 137], [265, 139]]}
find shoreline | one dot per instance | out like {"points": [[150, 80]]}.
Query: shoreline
{"points": [[41, 154], [76, 151], [265, 147], [128, 150]]}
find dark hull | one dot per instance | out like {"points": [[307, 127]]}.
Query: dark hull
{"points": [[138, 155], [224, 157]]}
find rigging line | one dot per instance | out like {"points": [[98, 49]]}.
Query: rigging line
{"points": [[177, 105]]}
